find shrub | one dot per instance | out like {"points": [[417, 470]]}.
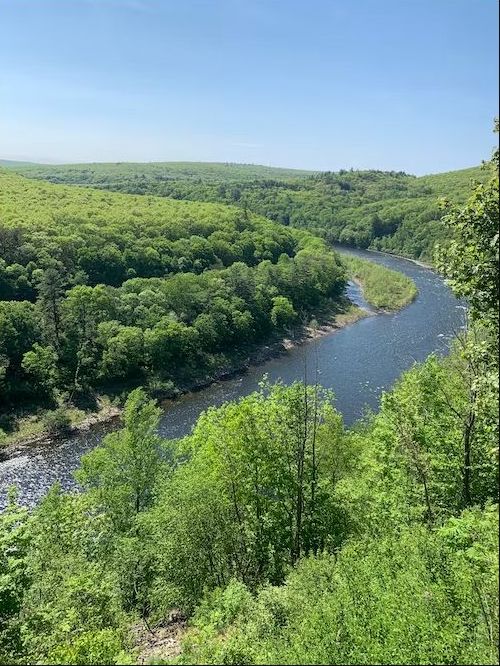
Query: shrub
{"points": [[57, 421]]}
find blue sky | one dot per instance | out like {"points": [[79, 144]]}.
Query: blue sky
{"points": [[318, 84]]}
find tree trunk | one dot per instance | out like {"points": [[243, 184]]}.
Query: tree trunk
{"points": [[468, 432]]}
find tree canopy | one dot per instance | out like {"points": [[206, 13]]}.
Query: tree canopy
{"points": [[385, 210]]}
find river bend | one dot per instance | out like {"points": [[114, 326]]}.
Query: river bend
{"points": [[358, 362]]}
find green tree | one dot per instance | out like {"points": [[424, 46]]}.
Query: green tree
{"points": [[412, 597], [256, 493], [123, 354], [14, 577], [83, 310], [121, 473], [19, 331], [51, 286], [283, 316], [71, 611], [470, 260], [170, 345], [40, 364]]}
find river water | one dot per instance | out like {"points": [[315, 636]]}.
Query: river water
{"points": [[358, 362]]}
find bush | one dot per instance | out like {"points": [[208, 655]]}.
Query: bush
{"points": [[57, 421], [414, 597], [160, 388]]}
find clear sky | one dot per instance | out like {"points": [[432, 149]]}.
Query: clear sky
{"points": [[318, 84]]}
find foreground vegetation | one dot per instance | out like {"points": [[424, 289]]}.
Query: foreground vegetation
{"points": [[282, 536], [391, 211]]}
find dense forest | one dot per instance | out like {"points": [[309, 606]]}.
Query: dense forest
{"points": [[390, 211], [271, 534], [98, 289]]}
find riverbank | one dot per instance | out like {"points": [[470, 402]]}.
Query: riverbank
{"points": [[422, 264], [32, 431], [384, 289], [383, 253], [357, 363]]}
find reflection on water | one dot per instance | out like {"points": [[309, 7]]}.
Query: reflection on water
{"points": [[357, 362]]}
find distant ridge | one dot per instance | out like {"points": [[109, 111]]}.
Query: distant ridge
{"points": [[205, 170], [19, 163]]}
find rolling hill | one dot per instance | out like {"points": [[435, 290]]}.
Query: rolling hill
{"points": [[390, 211]]}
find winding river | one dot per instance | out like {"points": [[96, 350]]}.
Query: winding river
{"points": [[358, 362]]}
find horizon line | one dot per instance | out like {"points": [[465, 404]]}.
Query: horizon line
{"points": [[55, 163]]}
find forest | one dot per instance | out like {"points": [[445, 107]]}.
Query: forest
{"points": [[391, 211], [108, 290], [272, 533], [102, 292]]}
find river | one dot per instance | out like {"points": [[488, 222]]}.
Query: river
{"points": [[358, 362]]}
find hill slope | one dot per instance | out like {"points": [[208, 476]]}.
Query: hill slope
{"points": [[390, 211], [132, 235], [116, 172], [98, 288]]}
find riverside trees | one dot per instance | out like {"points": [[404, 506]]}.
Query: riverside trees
{"points": [[416, 580], [292, 539]]}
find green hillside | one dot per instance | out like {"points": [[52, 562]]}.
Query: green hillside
{"points": [[132, 236], [390, 211], [100, 287], [100, 173]]}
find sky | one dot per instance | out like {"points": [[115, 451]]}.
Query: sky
{"points": [[315, 84]]}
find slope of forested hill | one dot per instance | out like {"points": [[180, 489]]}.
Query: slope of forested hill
{"points": [[101, 287], [113, 236], [390, 211], [119, 173]]}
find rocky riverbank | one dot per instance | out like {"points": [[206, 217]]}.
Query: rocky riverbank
{"points": [[109, 413]]}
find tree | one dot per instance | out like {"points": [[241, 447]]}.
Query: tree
{"points": [[40, 364], [83, 310], [416, 596], [256, 492], [470, 261], [71, 610], [170, 345], [51, 287], [14, 577], [123, 354], [283, 316], [121, 473], [19, 331]]}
